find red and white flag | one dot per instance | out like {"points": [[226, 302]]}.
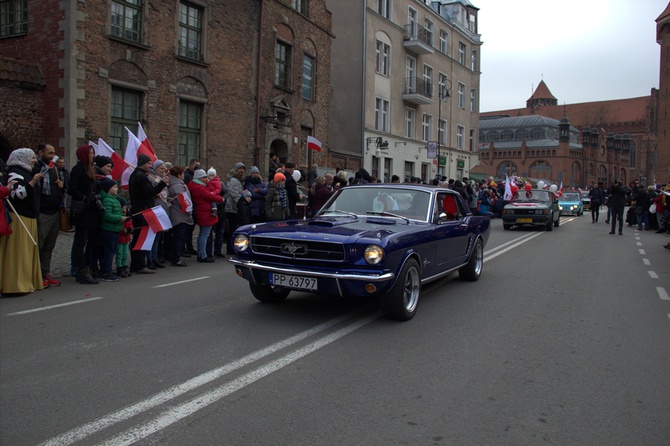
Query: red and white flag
{"points": [[559, 192], [133, 149], [52, 164], [157, 221], [145, 147], [102, 148], [508, 189], [313, 143], [185, 202]]}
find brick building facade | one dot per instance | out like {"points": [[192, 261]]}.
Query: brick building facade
{"points": [[223, 81]]}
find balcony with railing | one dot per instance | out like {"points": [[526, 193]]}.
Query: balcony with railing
{"points": [[418, 91], [418, 39]]}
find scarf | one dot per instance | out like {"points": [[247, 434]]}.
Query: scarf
{"points": [[283, 197], [22, 158], [46, 180]]}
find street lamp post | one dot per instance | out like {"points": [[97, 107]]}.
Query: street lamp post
{"points": [[442, 94]]}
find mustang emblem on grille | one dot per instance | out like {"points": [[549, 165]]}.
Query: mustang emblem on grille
{"points": [[293, 249]]}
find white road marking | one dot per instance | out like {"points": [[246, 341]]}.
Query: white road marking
{"points": [[646, 262], [638, 243], [181, 282], [186, 409], [662, 293], [51, 307], [653, 275], [126, 413], [641, 251], [518, 242]]}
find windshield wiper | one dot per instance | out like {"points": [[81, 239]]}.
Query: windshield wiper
{"points": [[337, 211], [388, 214]]}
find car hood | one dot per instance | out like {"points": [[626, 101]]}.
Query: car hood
{"points": [[568, 203], [523, 204], [335, 229]]}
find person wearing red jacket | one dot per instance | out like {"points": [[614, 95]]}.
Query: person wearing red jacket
{"points": [[202, 208]]}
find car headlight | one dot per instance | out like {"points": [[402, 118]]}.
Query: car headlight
{"points": [[560, 207], [373, 254], [241, 242]]}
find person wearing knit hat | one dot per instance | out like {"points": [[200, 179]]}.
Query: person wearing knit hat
{"points": [[279, 177], [254, 183], [111, 224], [199, 174], [142, 197], [103, 166], [157, 163], [142, 159], [253, 169], [211, 172], [276, 200], [234, 188]]}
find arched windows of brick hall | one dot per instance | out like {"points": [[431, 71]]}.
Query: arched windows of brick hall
{"points": [[506, 168]]}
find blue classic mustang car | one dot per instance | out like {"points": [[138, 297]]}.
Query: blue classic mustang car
{"points": [[369, 240]]}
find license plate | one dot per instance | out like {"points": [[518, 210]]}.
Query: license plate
{"points": [[524, 220], [295, 282]]}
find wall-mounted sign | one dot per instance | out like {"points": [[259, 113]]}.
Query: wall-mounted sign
{"points": [[460, 164]]}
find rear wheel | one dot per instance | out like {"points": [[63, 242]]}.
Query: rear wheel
{"points": [[401, 301], [268, 293], [507, 227], [473, 269]]}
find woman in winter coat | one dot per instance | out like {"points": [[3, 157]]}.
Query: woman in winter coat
{"points": [[276, 201], [181, 206], [83, 186], [157, 174], [259, 189], [202, 199], [20, 270], [319, 193]]}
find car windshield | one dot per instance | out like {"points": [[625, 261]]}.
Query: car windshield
{"points": [[569, 196], [532, 195], [369, 200]]}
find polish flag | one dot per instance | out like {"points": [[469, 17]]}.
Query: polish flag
{"points": [[508, 189], [146, 147], [102, 148], [52, 164], [559, 192], [145, 240], [313, 143], [185, 202], [157, 219], [133, 149]]}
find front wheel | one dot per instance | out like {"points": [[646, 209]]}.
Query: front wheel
{"points": [[473, 269], [401, 301], [507, 227], [550, 224], [557, 222], [268, 293]]}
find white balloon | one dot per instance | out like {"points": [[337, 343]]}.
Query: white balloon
{"points": [[540, 184], [553, 188], [296, 175]]}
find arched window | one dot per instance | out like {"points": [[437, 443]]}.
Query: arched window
{"points": [[537, 133], [521, 134], [506, 168]]}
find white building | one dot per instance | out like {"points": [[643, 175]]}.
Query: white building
{"points": [[392, 61]]}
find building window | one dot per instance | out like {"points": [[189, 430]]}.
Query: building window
{"points": [[300, 6], [472, 140], [13, 17], [126, 19], [428, 25], [426, 127], [382, 114], [444, 42], [282, 64], [375, 166], [409, 122], [428, 80], [383, 55], [461, 95], [190, 31], [308, 77], [388, 167], [460, 137], [473, 61], [125, 113], [384, 8], [540, 169], [461, 53], [473, 100], [443, 84], [442, 132], [190, 132], [409, 169]]}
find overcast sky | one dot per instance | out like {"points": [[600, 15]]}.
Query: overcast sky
{"points": [[584, 50]]}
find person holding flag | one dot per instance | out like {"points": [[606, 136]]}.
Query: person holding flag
{"points": [[181, 207], [48, 222], [202, 199], [142, 193]]}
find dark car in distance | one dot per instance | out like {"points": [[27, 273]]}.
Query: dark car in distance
{"points": [[379, 241], [535, 207]]}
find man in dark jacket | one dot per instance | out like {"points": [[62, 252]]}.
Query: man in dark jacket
{"points": [[51, 198], [616, 203], [142, 193], [642, 204], [291, 190], [597, 196]]}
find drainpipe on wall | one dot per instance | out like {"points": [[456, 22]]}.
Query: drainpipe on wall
{"points": [[257, 149]]}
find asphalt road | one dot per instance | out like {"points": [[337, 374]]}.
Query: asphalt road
{"points": [[563, 340]]}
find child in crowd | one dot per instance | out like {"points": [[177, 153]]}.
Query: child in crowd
{"points": [[110, 224], [123, 247]]}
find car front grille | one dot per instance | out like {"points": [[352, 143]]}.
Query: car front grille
{"points": [[298, 249]]}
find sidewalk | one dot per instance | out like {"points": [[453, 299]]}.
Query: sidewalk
{"points": [[60, 258]]}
